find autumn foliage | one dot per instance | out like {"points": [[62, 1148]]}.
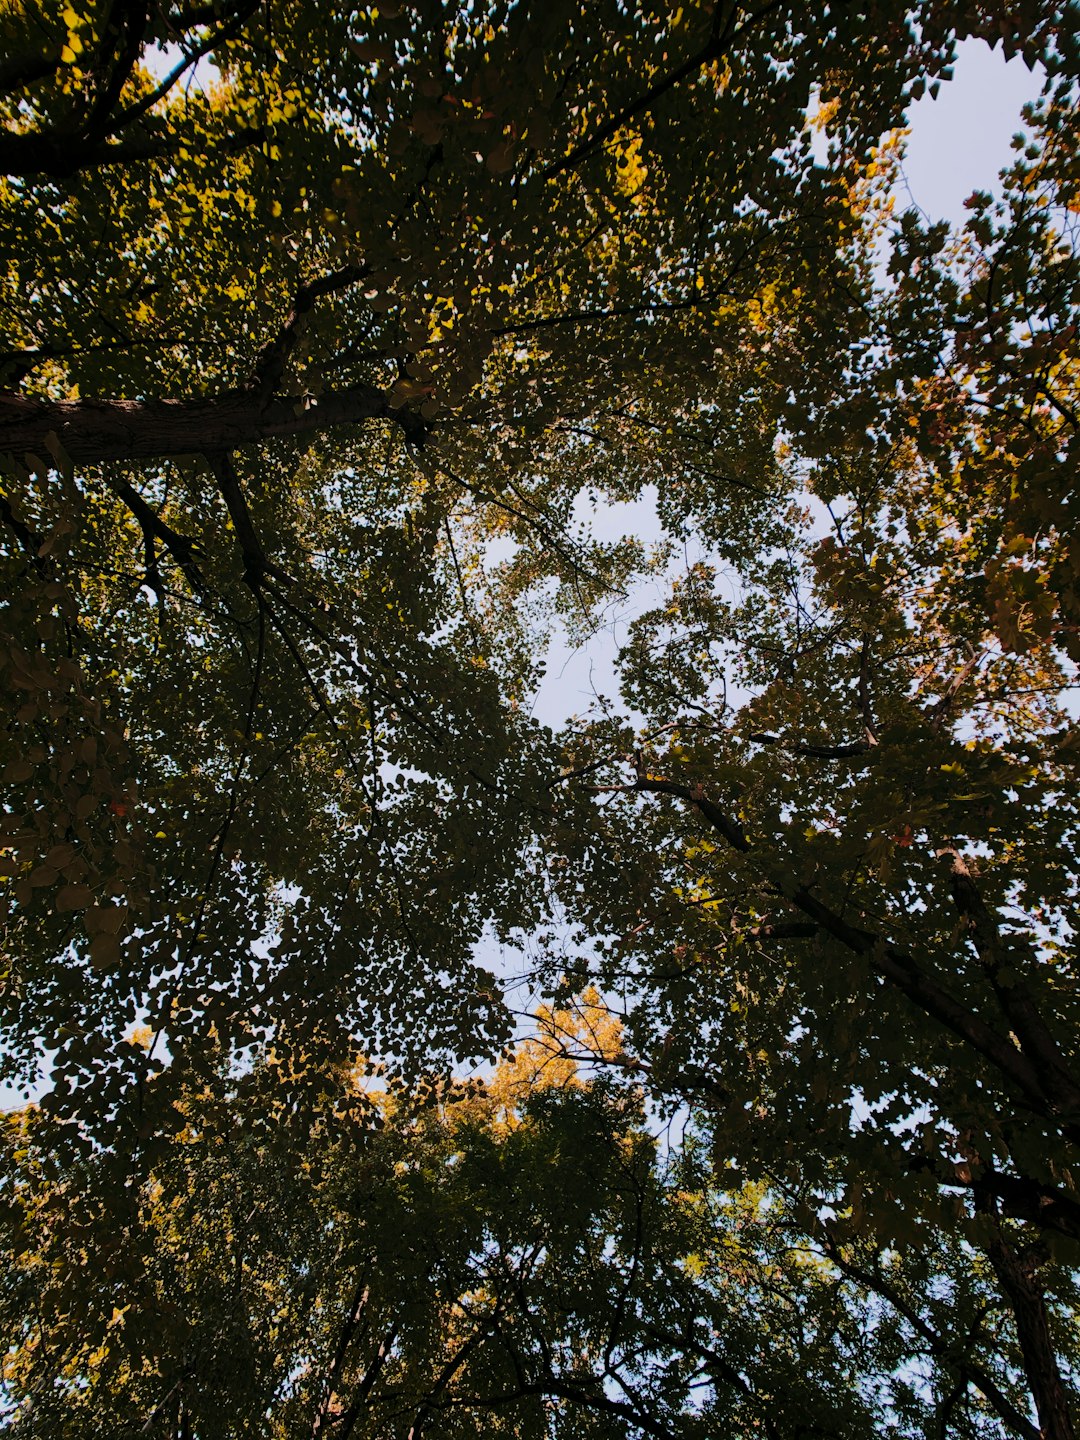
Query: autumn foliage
{"points": [[392, 1063]]}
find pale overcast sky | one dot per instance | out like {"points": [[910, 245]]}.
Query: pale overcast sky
{"points": [[957, 143], [960, 141]]}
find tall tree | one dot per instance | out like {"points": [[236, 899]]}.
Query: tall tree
{"points": [[274, 401], [845, 899], [320, 328], [514, 1255]]}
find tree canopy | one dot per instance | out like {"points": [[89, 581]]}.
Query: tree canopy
{"points": [[395, 1064]]}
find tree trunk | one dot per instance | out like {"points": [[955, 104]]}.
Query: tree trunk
{"points": [[94, 431], [1019, 1280]]}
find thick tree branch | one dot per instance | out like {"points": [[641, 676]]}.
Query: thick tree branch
{"points": [[893, 964], [32, 156], [180, 547], [126, 29], [93, 432], [256, 563], [362, 1393], [727, 825], [1026, 1199], [18, 71], [845, 750], [270, 366], [1009, 987], [345, 1337], [450, 1368], [791, 930], [192, 56], [92, 142], [1018, 1273], [942, 1347]]}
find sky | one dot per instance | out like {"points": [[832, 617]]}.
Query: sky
{"points": [[960, 141], [957, 144]]}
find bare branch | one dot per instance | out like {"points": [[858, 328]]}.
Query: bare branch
{"points": [[845, 750], [274, 357]]}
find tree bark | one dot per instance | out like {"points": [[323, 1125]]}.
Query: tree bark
{"points": [[92, 432], [1018, 1278]]}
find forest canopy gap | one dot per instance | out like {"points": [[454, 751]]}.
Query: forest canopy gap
{"points": [[324, 332]]}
